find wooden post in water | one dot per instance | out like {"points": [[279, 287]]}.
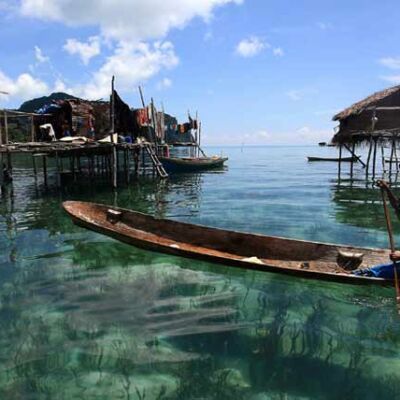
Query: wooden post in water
{"points": [[44, 157], [34, 165], [340, 163], [369, 156], [1, 133], [383, 157], [114, 146], [374, 159], [9, 163], [58, 175], [352, 161], [32, 129], [391, 156], [6, 127]]}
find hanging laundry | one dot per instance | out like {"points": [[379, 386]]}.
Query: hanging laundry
{"points": [[142, 117]]}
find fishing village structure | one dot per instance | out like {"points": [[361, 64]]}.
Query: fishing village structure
{"points": [[94, 139], [375, 122]]}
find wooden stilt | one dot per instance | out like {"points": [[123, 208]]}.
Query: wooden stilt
{"points": [[44, 157], [383, 157], [58, 172], [352, 162], [1, 133], [369, 156], [391, 157], [6, 127], [32, 129], [340, 163], [114, 167], [374, 159], [34, 165]]}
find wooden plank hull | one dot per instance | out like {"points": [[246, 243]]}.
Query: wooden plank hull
{"points": [[248, 251], [175, 164], [333, 159]]}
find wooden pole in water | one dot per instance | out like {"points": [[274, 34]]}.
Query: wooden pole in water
{"points": [[34, 165], [58, 177], [6, 127], [391, 157], [383, 158], [340, 162], [44, 157], [374, 159], [369, 156], [392, 245], [114, 147], [352, 161], [1, 133], [32, 129], [9, 162]]}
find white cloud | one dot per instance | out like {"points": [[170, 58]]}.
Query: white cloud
{"points": [[390, 62], [164, 84], [124, 19], [24, 87], [307, 134], [294, 95], [297, 95], [86, 51], [394, 79], [131, 64], [324, 25], [40, 57], [208, 36], [251, 46], [278, 52]]}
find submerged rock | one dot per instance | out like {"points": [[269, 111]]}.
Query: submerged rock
{"points": [[231, 378]]}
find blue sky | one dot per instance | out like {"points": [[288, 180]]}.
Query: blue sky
{"points": [[257, 71]]}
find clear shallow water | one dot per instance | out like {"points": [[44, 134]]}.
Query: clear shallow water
{"points": [[83, 316]]}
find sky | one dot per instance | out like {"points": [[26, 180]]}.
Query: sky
{"points": [[256, 71]]}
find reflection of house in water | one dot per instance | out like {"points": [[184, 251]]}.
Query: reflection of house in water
{"points": [[360, 206]]}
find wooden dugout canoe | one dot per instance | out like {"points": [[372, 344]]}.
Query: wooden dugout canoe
{"points": [[334, 159], [187, 164], [244, 250]]}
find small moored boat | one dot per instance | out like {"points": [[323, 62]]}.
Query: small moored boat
{"points": [[335, 159], [244, 250], [176, 164]]}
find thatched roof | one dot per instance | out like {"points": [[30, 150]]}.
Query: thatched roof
{"points": [[370, 101]]}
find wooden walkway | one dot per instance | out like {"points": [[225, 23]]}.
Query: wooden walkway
{"points": [[106, 160]]}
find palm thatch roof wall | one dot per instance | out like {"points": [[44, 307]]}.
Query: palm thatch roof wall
{"points": [[376, 115]]}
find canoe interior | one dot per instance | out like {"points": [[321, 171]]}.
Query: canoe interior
{"points": [[219, 245]]}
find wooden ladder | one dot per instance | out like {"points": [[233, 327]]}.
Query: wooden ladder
{"points": [[156, 162]]}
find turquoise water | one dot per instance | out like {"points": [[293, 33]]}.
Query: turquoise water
{"points": [[86, 317]]}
